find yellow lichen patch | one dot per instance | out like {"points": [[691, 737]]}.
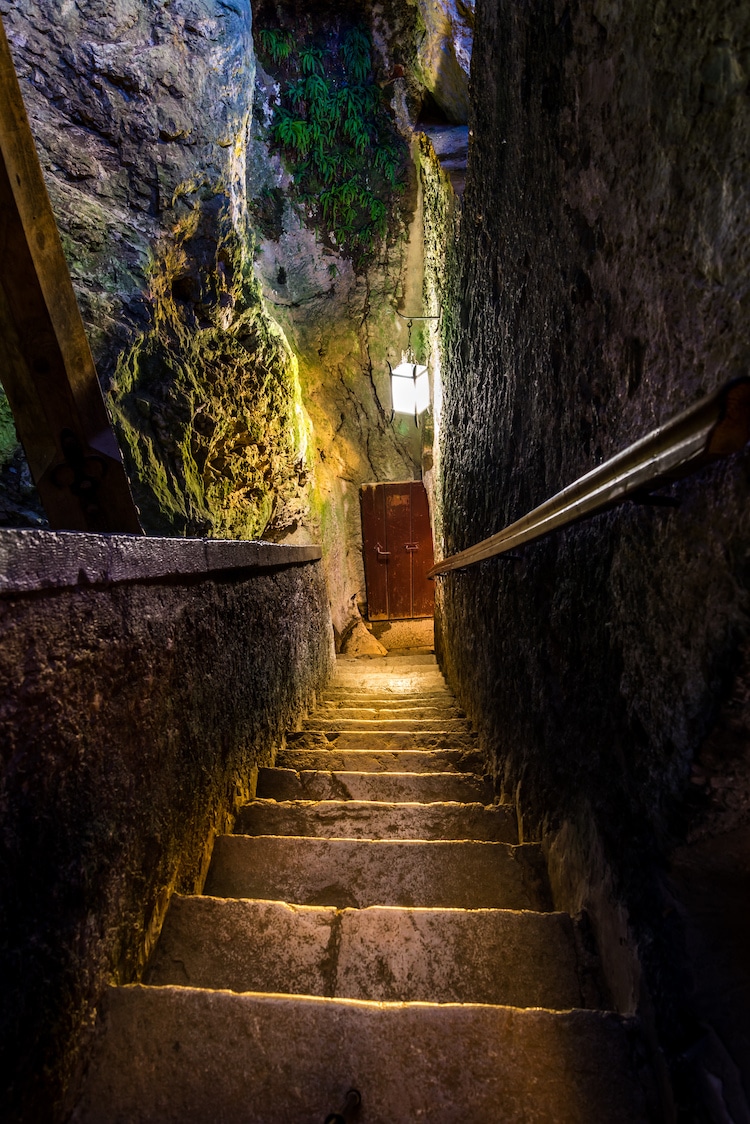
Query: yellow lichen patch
{"points": [[208, 402]]}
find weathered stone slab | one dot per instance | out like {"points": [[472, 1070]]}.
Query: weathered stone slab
{"points": [[387, 696], [32, 560], [523, 959], [245, 946], [399, 679], [425, 788], [440, 706], [328, 757], [404, 710], [364, 819], [420, 661], [358, 873], [387, 725], [384, 740], [170, 1055]]}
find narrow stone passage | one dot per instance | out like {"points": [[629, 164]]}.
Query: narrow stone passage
{"points": [[372, 923]]}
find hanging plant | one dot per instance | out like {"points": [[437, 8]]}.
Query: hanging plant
{"points": [[336, 133]]}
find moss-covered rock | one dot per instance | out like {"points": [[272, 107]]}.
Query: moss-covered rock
{"points": [[8, 439], [207, 402]]}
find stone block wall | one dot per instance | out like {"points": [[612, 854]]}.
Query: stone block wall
{"points": [[595, 290], [141, 684]]}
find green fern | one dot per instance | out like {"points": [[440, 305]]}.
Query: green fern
{"points": [[336, 133], [311, 60], [276, 44], [295, 92], [317, 91], [355, 51]]}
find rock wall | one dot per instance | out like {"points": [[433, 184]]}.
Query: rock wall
{"points": [[137, 703], [141, 118], [595, 290], [245, 404]]}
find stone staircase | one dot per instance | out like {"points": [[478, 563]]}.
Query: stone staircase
{"points": [[372, 924]]}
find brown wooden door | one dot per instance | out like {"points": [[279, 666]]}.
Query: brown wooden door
{"points": [[397, 550]]}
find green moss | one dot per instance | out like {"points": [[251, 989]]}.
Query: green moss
{"points": [[8, 438], [207, 404]]}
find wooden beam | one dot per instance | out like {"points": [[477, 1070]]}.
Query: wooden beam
{"points": [[46, 366]]}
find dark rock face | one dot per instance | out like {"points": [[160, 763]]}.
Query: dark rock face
{"points": [[595, 291], [141, 117], [244, 406], [132, 720]]}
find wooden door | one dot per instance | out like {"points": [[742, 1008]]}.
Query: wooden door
{"points": [[397, 550]]}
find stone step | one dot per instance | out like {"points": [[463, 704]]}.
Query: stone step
{"points": [[390, 678], [399, 688], [385, 695], [356, 673], [387, 725], [358, 872], [381, 761], [367, 819], [410, 713], [522, 959], [433, 703], [392, 660], [171, 1055], [387, 740], [422, 788]]}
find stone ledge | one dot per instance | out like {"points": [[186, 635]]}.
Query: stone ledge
{"points": [[31, 560]]}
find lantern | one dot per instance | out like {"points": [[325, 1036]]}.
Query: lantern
{"points": [[410, 389]]}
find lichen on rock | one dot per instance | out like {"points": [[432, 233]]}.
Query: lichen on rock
{"points": [[207, 402]]}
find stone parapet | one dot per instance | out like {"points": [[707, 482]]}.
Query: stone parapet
{"points": [[33, 560], [142, 684]]}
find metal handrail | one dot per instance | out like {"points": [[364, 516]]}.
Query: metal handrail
{"points": [[717, 426]]}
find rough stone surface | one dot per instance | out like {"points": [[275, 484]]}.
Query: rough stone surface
{"points": [[356, 819], [245, 360], [301, 916], [410, 635], [388, 954], [286, 784], [393, 741], [387, 725], [380, 761], [32, 561], [176, 1054], [141, 116], [131, 724], [359, 873], [596, 290], [361, 643], [407, 709], [445, 55]]}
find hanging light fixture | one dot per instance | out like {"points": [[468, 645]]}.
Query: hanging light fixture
{"points": [[410, 381], [410, 389]]}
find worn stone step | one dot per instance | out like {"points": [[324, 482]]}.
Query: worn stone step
{"points": [[357, 674], [388, 695], [391, 678], [522, 959], [409, 713], [330, 758], [388, 740], [171, 1055], [397, 705], [367, 819], [387, 725], [393, 659], [423, 788], [358, 872]]}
